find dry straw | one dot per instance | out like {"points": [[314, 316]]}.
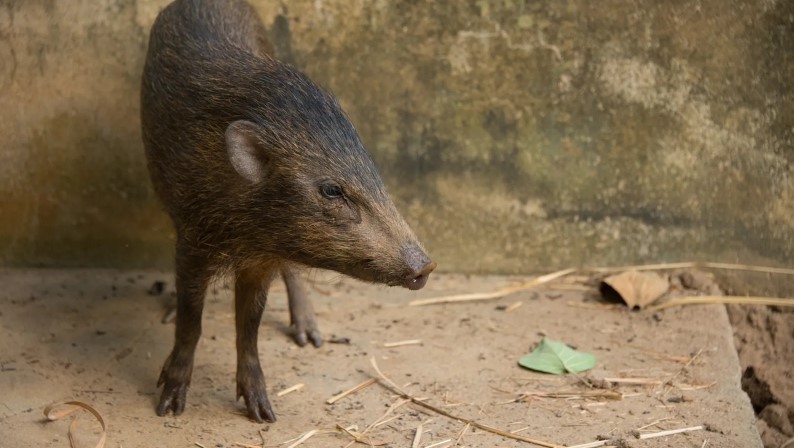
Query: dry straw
{"points": [[72, 406], [543, 279]]}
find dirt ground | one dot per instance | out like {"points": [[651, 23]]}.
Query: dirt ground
{"points": [[764, 338], [97, 337]]}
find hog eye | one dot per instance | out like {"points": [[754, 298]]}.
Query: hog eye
{"points": [[331, 191]]}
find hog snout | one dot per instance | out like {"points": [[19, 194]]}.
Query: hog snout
{"points": [[420, 267]]}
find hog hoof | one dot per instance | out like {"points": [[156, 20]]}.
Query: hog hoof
{"points": [[303, 333], [256, 402], [172, 399], [175, 380]]}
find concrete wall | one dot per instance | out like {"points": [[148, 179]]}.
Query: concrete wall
{"points": [[516, 136]]}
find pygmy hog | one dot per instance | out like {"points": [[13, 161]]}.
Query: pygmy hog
{"points": [[260, 171]]}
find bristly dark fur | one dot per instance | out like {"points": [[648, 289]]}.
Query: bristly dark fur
{"points": [[259, 169], [211, 72]]}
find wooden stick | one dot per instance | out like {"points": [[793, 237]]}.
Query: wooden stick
{"points": [[496, 294], [380, 419], [640, 381], [437, 444], [513, 306], [383, 422], [591, 444], [358, 437], [401, 343], [244, 445], [352, 390], [304, 438], [290, 389], [695, 264], [417, 436], [692, 300], [642, 436], [669, 432], [608, 394], [462, 433], [655, 422]]}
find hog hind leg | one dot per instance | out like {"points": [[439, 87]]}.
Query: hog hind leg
{"points": [[303, 322]]}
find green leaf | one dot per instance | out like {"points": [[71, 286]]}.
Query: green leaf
{"points": [[552, 356]]}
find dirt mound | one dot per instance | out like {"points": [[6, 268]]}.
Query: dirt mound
{"points": [[764, 338]]}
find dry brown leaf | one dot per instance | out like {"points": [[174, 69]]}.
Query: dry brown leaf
{"points": [[636, 289]]}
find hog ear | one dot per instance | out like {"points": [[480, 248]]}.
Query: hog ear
{"points": [[246, 150]]}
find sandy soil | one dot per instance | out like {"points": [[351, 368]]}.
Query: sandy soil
{"points": [[96, 336]]}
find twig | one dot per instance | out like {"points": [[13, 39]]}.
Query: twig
{"points": [[608, 394], [591, 444], [462, 433], [401, 343], [496, 294], [570, 287], [642, 436], [437, 444], [359, 437], [721, 300], [680, 371], [683, 386], [513, 306], [389, 384], [352, 390], [93, 391], [670, 432], [304, 438], [653, 423], [693, 264], [639, 381], [417, 436], [389, 410], [594, 306], [290, 389], [658, 355], [378, 421], [540, 380], [383, 422]]}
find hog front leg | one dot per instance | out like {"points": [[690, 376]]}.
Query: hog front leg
{"points": [[192, 277], [249, 303]]}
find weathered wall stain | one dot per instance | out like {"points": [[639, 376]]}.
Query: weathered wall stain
{"points": [[516, 136], [71, 172]]}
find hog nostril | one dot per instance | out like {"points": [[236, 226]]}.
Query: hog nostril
{"points": [[419, 280], [430, 267]]}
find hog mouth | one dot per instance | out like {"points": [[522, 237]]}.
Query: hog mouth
{"points": [[370, 270], [409, 278]]}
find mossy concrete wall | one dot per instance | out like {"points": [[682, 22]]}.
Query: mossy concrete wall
{"points": [[516, 136]]}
